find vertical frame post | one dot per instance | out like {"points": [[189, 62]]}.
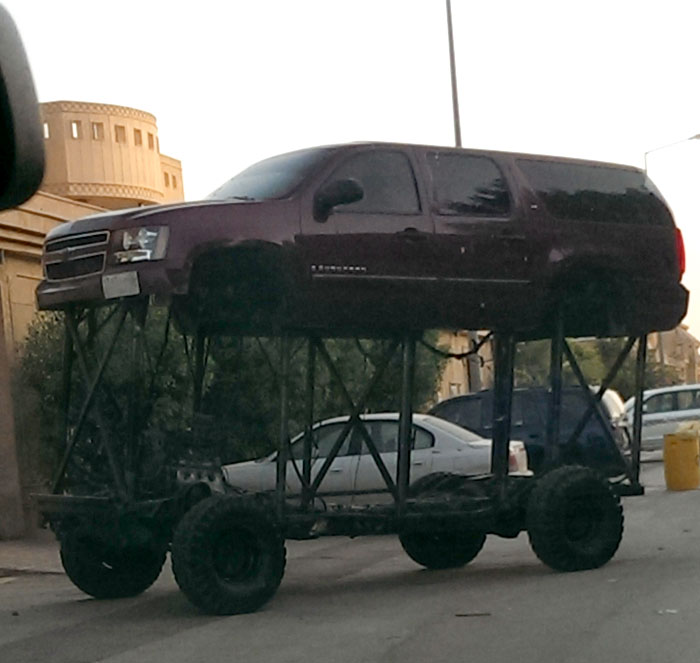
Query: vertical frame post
{"points": [[199, 367], [638, 405], [67, 377], [552, 452], [307, 494], [138, 321], [281, 483], [403, 463], [504, 358]]}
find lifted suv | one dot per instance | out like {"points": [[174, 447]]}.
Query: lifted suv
{"points": [[388, 236]]}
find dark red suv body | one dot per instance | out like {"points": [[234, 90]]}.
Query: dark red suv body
{"points": [[380, 237]]}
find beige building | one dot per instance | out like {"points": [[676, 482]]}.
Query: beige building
{"points": [[107, 155], [98, 156]]}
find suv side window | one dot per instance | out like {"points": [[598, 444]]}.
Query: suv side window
{"points": [[659, 403], [468, 185], [388, 182], [688, 400], [596, 193], [465, 412]]}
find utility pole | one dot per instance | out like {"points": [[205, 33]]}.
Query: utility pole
{"points": [[11, 512], [473, 361]]}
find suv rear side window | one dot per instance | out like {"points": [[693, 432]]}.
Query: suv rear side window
{"points": [[659, 403], [388, 182], [596, 193], [468, 185]]}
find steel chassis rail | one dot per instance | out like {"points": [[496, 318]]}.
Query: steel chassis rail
{"points": [[122, 495]]}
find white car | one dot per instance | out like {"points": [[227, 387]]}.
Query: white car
{"points": [[664, 410], [353, 477]]}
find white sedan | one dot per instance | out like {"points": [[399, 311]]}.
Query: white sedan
{"points": [[353, 477]]}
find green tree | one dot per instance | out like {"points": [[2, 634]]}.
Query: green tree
{"points": [[239, 417]]}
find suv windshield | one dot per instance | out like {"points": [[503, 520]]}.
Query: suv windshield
{"points": [[275, 177]]}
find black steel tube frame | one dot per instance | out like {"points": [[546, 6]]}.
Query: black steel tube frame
{"points": [[307, 496], [638, 409], [552, 451], [504, 359], [94, 382], [403, 460], [283, 442], [354, 420], [594, 404]]}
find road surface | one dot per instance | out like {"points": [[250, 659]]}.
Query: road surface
{"points": [[364, 600]]}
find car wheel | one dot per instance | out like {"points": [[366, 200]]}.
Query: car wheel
{"points": [[574, 519], [441, 549], [228, 555]]}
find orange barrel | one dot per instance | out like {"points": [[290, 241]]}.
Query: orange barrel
{"points": [[682, 461]]}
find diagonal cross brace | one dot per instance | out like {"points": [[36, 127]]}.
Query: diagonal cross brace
{"points": [[594, 407], [93, 385], [354, 421]]}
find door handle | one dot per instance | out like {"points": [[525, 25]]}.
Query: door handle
{"points": [[336, 470], [418, 462]]}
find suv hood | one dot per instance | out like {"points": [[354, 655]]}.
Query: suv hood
{"points": [[155, 214]]}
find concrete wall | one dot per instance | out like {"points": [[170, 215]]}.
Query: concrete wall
{"points": [[22, 232]]}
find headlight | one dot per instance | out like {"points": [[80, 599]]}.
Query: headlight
{"points": [[138, 244]]}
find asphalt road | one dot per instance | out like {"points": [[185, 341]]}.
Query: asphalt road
{"points": [[364, 600]]}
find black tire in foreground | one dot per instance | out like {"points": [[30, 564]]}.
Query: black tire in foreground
{"points": [[574, 520], [441, 549], [228, 555], [109, 572]]}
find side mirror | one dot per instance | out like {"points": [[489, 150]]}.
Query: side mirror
{"points": [[21, 140], [338, 192]]}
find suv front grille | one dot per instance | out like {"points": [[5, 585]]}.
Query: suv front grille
{"points": [[90, 239], [57, 271], [71, 257]]}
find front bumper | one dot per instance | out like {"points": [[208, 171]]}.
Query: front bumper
{"points": [[114, 283]]}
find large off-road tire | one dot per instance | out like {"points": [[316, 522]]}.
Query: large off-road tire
{"points": [[440, 549], [228, 555], [108, 571], [574, 519]]}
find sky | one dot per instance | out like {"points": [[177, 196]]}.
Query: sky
{"points": [[233, 82]]}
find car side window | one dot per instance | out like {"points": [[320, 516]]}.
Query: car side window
{"points": [[388, 182], [659, 403], [385, 435], [689, 400], [468, 185], [324, 439]]}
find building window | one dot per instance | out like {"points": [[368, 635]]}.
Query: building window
{"points": [[120, 133], [455, 389], [166, 179], [174, 181], [46, 130], [76, 129], [151, 142], [157, 145], [98, 131], [138, 140]]}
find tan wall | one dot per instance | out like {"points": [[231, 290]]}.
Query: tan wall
{"points": [[106, 155], [455, 376], [22, 232]]}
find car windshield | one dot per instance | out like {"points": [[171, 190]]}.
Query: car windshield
{"points": [[276, 177]]}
